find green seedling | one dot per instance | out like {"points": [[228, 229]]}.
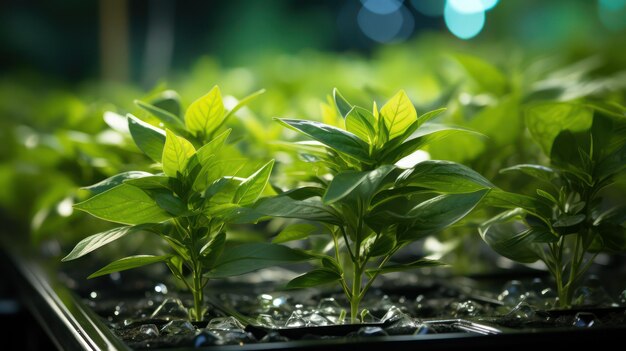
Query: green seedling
{"points": [[373, 205], [188, 204]]}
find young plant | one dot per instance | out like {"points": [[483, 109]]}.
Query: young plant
{"points": [[373, 206], [189, 205], [566, 223]]}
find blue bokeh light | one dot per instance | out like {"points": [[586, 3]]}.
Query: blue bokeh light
{"points": [[382, 7], [378, 27], [463, 24], [431, 8]]}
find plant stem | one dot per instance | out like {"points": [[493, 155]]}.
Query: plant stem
{"points": [[355, 299], [198, 295]]}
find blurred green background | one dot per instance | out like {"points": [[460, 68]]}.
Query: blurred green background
{"points": [[66, 63]]}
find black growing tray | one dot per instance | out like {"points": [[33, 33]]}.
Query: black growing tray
{"points": [[72, 325]]}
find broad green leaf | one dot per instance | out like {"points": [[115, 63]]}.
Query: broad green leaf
{"points": [[129, 263], [96, 241], [440, 212], [313, 278], [547, 195], [114, 181], [310, 209], [243, 102], [169, 202], [294, 232], [398, 114], [444, 176], [169, 120], [176, 154], [378, 247], [424, 135], [207, 151], [374, 182], [430, 115], [342, 185], [483, 73], [539, 172], [148, 138], [124, 204], [361, 123], [213, 249], [343, 106], [503, 199], [421, 263], [337, 139], [215, 170], [546, 120], [247, 258], [205, 114], [251, 188], [502, 234], [168, 100], [150, 182], [568, 221]]}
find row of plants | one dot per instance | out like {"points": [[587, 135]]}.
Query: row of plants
{"points": [[367, 194], [351, 189]]}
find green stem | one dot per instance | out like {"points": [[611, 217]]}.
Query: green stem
{"points": [[198, 295], [355, 299]]}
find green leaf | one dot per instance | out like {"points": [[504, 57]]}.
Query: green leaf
{"points": [[483, 73], [542, 173], [169, 120], [546, 120], [207, 151], [568, 221], [243, 102], [176, 154], [343, 106], [169, 202], [213, 249], [124, 204], [294, 232], [421, 263], [378, 247], [310, 209], [96, 241], [547, 195], [398, 114], [150, 182], [444, 176], [114, 181], [502, 234], [250, 257], [251, 188], [361, 122], [313, 278], [337, 139], [440, 212], [205, 115], [430, 115], [129, 263], [424, 135], [503, 199], [342, 184], [169, 101], [149, 139]]}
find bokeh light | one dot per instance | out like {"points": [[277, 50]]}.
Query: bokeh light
{"points": [[462, 23], [384, 27]]}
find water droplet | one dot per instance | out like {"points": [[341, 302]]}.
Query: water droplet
{"points": [[146, 331], [393, 314], [467, 308], [329, 306], [225, 323], [585, 320], [512, 293], [424, 329], [592, 295], [171, 308], [316, 319], [93, 294], [178, 327], [522, 311], [403, 326], [266, 320], [622, 298], [295, 320], [367, 317]]}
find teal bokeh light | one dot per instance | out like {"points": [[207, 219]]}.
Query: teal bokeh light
{"points": [[462, 24]]}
